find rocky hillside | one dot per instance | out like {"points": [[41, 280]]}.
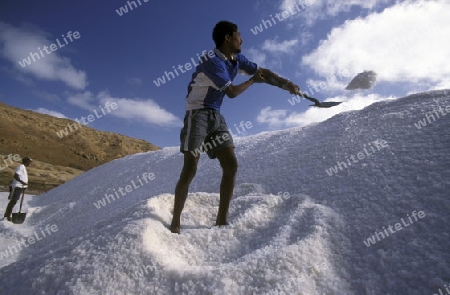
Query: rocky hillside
{"points": [[59, 157]]}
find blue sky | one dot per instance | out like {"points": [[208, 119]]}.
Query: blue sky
{"points": [[116, 58]]}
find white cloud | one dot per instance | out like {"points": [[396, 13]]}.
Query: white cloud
{"points": [[313, 10], [260, 58], [306, 37], [274, 49], [286, 118], [50, 112], [443, 84], [133, 81], [407, 42], [19, 42], [83, 100], [47, 96], [274, 118], [140, 110], [256, 56], [273, 46], [327, 84], [22, 78]]}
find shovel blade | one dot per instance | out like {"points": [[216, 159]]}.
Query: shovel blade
{"points": [[327, 104], [18, 217]]}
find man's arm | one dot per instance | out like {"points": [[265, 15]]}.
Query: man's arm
{"points": [[275, 80], [263, 75], [16, 177], [234, 90]]}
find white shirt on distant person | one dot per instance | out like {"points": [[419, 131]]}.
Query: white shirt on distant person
{"points": [[21, 171]]}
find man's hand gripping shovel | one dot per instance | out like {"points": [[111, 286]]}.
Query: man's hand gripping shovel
{"points": [[317, 103], [294, 89]]}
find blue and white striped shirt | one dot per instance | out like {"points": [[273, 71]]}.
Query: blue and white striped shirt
{"points": [[212, 76]]}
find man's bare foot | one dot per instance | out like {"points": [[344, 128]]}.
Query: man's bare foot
{"points": [[175, 228], [219, 224]]}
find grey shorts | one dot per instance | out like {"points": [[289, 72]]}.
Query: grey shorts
{"points": [[204, 130]]}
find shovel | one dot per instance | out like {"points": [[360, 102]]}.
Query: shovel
{"points": [[325, 104], [317, 103], [19, 217]]}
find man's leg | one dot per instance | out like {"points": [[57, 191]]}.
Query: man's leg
{"points": [[16, 194], [9, 208], [181, 190], [229, 165]]}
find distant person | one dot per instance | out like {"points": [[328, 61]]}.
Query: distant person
{"points": [[204, 126], [19, 184]]}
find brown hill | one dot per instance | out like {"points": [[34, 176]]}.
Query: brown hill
{"points": [[58, 158]]}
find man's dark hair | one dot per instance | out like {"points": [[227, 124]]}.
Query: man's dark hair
{"points": [[222, 29], [27, 159]]}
